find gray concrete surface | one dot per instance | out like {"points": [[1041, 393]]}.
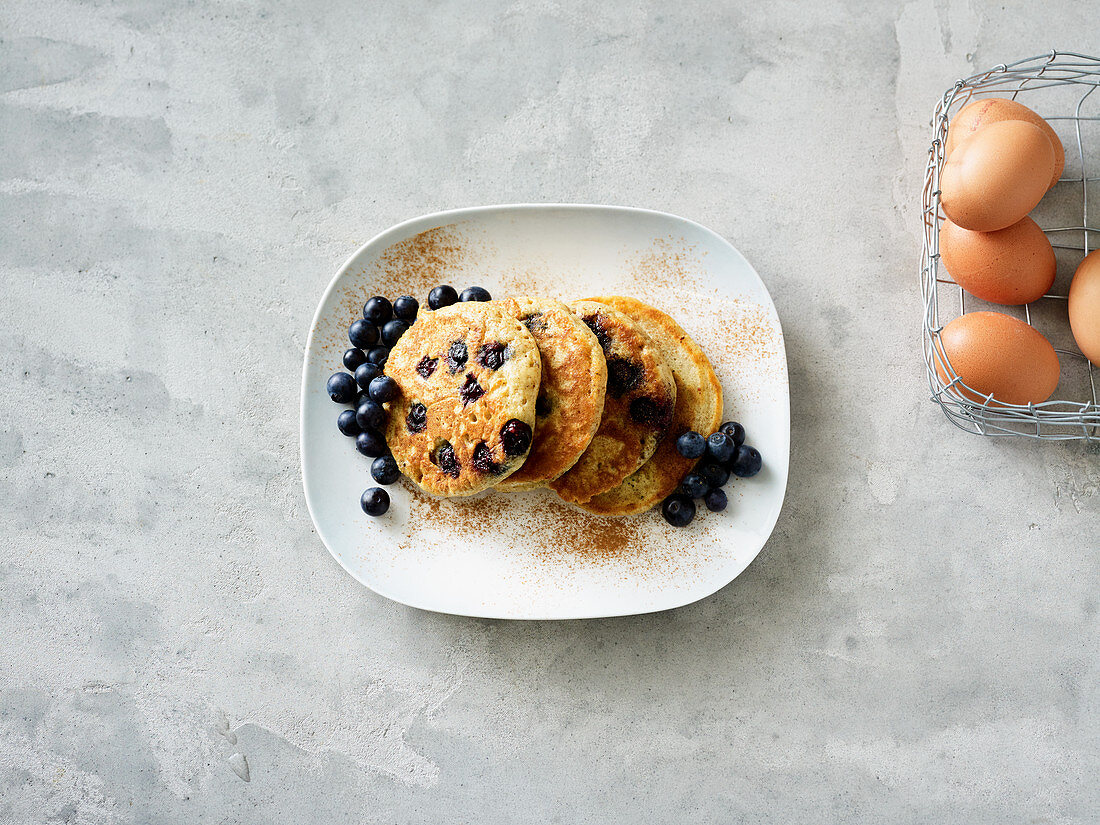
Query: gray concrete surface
{"points": [[178, 182]]}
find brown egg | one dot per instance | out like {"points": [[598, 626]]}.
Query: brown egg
{"points": [[979, 113], [998, 354], [1084, 306], [1014, 265], [995, 177]]}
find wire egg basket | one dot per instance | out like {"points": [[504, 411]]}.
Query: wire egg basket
{"points": [[1059, 86]]}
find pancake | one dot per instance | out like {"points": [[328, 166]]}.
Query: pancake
{"points": [[698, 407], [469, 377], [638, 406], [570, 401]]}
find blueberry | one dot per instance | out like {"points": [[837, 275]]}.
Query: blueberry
{"points": [[375, 501], [747, 462], [470, 391], [383, 388], [363, 334], [691, 445], [378, 310], [475, 293], [347, 424], [492, 355], [650, 412], [417, 418], [716, 501], [341, 388], [447, 461], [393, 330], [426, 367], [719, 447], [456, 356], [694, 485], [366, 373], [354, 357], [515, 436], [384, 470], [715, 474], [483, 459], [406, 308], [534, 322], [442, 296], [623, 375], [370, 415], [378, 355], [360, 397], [370, 442], [734, 431], [678, 510], [600, 327]]}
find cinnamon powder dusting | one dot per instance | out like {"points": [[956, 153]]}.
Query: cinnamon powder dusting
{"points": [[670, 267], [739, 336], [413, 267], [547, 526], [547, 533]]}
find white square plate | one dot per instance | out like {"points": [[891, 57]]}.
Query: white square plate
{"points": [[527, 555]]}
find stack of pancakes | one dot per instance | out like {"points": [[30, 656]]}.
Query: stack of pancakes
{"points": [[587, 399]]}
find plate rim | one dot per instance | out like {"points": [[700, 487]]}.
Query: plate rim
{"points": [[451, 215]]}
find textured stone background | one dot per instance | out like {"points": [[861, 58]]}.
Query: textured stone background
{"points": [[178, 182]]}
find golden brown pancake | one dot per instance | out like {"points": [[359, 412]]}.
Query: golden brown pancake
{"points": [[570, 401], [469, 376], [638, 406], [698, 407]]}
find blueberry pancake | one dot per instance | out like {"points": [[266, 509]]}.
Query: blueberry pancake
{"points": [[469, 376], [637, 410], [698, 407], [570, 400]]}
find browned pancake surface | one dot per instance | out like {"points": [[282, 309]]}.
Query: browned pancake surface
{"points": [[571, 397], [638, 406], [469, 376]]}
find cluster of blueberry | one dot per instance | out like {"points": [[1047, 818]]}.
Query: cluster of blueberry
{"points": [[725, 453], [366, 388]]}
